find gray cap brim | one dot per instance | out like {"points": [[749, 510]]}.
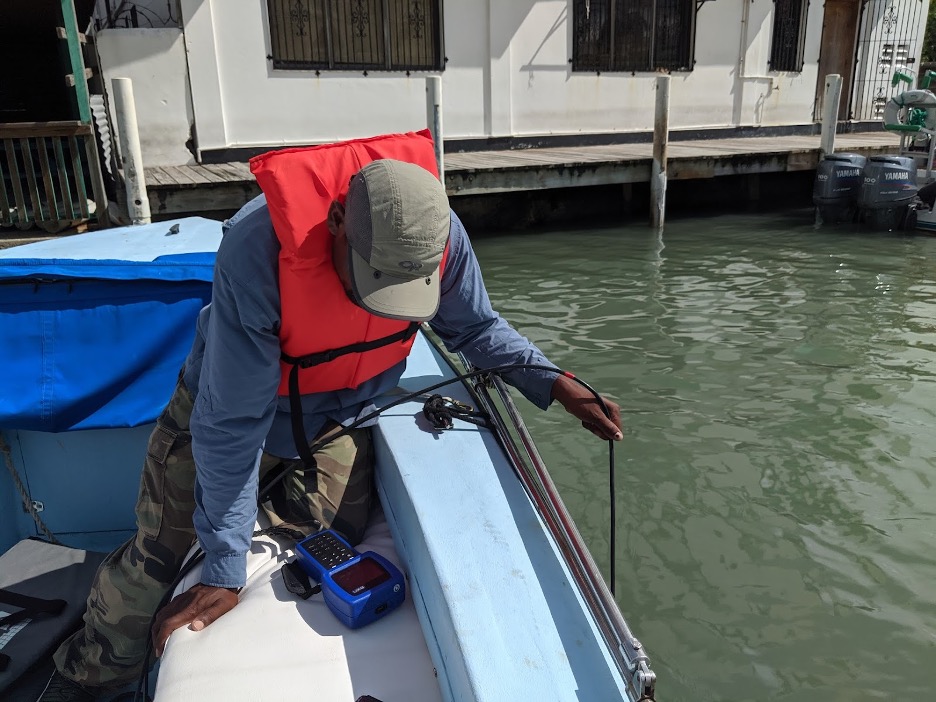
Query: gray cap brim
{"points": [[411, 299]]}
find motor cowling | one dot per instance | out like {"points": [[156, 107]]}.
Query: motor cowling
{"points": [[888, 194], [838, 182]]}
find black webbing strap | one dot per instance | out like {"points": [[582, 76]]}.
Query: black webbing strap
{"points": [[29, 607], [316, 359]]}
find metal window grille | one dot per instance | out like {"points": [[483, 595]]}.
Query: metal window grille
{"points": [[887, 41], [633, 35], [373, 35], [789, 35]]}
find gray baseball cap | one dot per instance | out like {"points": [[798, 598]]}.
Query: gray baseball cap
{"points": [[397, 221]]}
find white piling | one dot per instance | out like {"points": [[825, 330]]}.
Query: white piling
{"points": [[830, 108], [125, 108], [660, 140], [434, 119]]}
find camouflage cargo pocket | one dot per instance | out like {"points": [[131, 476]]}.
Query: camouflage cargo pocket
{"points": [[149, 506], [168, 458]]}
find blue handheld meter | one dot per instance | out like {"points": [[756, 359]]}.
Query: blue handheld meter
{"points": [[359, 588]]}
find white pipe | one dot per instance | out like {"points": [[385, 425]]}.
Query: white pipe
{"points": [[745, 18], [434, 119], [137, 200], [830, 108], [660, 140]]}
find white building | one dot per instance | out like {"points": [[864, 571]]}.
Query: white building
{"points": [[221, 79]]}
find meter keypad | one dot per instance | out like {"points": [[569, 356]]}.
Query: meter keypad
{"points": [[328, 550]]}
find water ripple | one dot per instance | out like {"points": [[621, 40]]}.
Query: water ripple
{"points": [[776, 506]]}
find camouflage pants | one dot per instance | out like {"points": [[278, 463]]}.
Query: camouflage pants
{"points": [[108, 651]]}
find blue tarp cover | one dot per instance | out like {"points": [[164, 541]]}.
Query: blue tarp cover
{"points": [[94, 327]]}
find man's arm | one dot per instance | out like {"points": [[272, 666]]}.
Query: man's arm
{"points": [[231, 418], [236, 398], [467, 323], [233, 412]]}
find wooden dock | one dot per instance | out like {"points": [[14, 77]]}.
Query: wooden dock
{"points": [[174, 190]]}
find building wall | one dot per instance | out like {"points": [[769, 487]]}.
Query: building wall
{"points": [[154, 59], [508, 74], [547, 97]]}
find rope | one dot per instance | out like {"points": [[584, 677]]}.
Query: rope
{"points": [[23, 493]]}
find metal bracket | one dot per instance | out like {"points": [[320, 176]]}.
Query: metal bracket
{"points": [[37, 506]]}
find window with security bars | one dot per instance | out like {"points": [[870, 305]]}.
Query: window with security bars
{"points": [[789, 35], [633, 35], [372, 35]]}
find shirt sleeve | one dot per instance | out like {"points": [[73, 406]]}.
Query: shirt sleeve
{"points": [[467, 323], [236, 400]]}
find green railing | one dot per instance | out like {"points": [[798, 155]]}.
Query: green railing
{"points": [[49, 172]]}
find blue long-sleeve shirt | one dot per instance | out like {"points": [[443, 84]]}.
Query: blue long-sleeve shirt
{"points": [[234, 371]]}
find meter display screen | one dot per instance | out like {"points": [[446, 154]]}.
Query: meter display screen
{"points": [[363, 575]]}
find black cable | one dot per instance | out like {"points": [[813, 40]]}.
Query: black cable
{"points": [[134, 12], [613, 530], [143, 683], [413, 395], [142, 691], [113, 15], [149, 15], [465, 376], [611, 489]]}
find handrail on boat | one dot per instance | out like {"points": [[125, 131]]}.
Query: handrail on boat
{"points": [[626, 650]]}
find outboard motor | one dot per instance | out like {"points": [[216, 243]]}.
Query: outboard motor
{"points": [[888, 196], [837, 185]]}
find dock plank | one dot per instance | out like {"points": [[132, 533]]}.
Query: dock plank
{"points": [[478, 172], [179, 175], [213, 173], [237, 172], [156, 175], [219, 173]]}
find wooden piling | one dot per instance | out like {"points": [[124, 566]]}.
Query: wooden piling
{"points": [[831, 97], [658, 166]]}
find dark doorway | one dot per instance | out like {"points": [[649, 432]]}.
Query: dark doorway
{"points": [[36, 61]]}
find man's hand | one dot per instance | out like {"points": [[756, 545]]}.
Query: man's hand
{"points": [[197, 607], [582, 405]]}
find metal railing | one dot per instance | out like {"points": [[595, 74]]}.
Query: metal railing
{"points": [[49, 173], [627, 652]]}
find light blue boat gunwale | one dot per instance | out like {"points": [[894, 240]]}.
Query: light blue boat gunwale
{"points": [[501, 611]]}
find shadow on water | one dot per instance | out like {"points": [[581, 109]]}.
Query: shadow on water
{"points": [[775, 486]]}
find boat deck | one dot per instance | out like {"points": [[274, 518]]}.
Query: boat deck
{"points": [[226, 186]]}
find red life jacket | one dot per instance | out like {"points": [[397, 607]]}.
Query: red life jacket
{"points": [[320, 327]]}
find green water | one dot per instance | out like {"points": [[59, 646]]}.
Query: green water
{"points": [[776, 506]]}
